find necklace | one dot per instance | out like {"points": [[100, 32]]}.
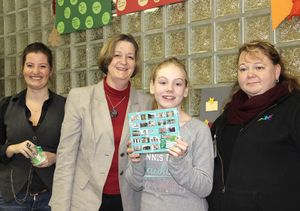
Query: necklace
{"points": [[114, 113]]}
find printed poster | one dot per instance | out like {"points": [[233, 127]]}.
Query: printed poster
{"points": [[76, 15], [129, 6], [154, 131]]}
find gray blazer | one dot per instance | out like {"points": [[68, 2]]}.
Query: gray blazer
{"points": [[86, 150]]}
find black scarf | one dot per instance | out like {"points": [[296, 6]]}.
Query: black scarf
{"points": [[242, 109]]}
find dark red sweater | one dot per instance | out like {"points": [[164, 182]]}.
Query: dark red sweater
{"points": [[111, 185]]}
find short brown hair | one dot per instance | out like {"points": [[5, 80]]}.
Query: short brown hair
{"points": [[107, 52]]}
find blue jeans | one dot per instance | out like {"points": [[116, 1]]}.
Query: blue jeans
{"points": [[33, 203]]}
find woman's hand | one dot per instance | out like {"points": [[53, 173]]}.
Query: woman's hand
{"points": [[50, 159], [179, 149], [134, 157], [25, 148]]}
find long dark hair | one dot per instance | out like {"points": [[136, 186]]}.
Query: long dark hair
{"points": [[35, 48]]}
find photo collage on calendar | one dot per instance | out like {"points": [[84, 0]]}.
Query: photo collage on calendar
{"points": [[153, 131]]}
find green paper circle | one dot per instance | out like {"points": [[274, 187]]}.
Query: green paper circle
{"points": [[89, 22], [105, 18], [67, 12], [76, 23], [73, 2], [96, 7], [60, 2], [82, 8], [60, 27]]}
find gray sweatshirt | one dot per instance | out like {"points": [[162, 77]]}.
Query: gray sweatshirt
{"points": [[176, 183]]}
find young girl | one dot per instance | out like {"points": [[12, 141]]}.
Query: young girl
{"points": [[181, 179]]}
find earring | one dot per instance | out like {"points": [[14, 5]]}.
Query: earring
{"points": [[277, 81]]}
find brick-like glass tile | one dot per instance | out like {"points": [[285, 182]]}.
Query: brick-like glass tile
{"points": [[227, 68], [228, 34]]}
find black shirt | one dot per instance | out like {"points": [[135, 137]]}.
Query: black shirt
{"points": [[15, 126]]}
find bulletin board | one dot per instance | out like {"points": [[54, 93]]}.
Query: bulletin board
{"points": [[212, 102]]}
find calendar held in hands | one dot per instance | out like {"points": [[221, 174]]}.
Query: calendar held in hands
{"points": [[154, 131]]}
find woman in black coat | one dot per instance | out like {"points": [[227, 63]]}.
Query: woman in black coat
{"points": [[257, 165]]}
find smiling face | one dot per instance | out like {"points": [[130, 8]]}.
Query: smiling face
{"points": [[122, 64], [169, 86], [256, 73], [36, 71]]}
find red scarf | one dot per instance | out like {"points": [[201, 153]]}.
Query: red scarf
{"points": [[242, 108]]}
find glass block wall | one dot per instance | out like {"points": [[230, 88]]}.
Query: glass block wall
{"points": [[204, 34]]}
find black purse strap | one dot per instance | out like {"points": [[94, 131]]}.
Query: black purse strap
{"points": [[3, 107]]}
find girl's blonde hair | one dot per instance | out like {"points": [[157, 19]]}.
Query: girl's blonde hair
{"points": [[171, 60]]}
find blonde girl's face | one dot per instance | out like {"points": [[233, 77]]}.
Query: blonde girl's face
{"points": [[169, 86]]}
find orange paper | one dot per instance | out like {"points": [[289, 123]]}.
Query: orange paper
{"points": [[295, 9], [280, 10]]}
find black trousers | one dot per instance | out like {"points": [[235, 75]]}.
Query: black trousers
{"points": [[111, 203]]}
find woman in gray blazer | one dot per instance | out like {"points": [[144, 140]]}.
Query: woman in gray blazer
{"points": [[91, 157]]}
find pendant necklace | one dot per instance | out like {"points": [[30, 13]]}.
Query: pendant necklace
{"points": [[113, 112]]}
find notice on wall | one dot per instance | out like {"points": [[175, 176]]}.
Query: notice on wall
{"points": [[129, 6], [214, 99], [76, 15]]}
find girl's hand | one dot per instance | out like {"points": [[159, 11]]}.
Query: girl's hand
{"points": [[134, 157], [179, 149], [25, 148], [49, 161]]}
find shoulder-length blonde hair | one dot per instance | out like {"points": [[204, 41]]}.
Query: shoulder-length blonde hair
{"points": [[273, 54]]}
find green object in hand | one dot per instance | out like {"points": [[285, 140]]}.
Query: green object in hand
{"points": [[39, 158]]}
